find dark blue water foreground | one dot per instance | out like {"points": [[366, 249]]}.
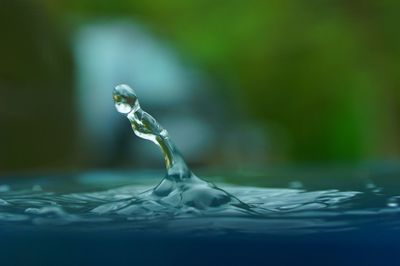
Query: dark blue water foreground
{"points": [[326, 216], [365, 247]]}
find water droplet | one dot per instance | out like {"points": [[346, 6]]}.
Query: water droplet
{"points": [[296, 185], [393, 202], [125, 99], [372, 187], [37, 188], [180, 186], [4, 188]]}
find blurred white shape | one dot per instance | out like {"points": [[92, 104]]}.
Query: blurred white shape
{"points": [[111, 53], [393, 202], [108, 54]]}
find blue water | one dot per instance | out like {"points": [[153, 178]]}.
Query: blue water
{"points": [[290, 216], [330, 216]]}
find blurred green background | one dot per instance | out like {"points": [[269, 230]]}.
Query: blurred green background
{"points": [[264, 82]]}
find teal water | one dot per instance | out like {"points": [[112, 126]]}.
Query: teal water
{"points": [[181, 202], [115, 201], [296, 217], [287, 216]]}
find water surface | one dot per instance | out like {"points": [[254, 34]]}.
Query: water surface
{"points": [[298, 216], [119, 200]]}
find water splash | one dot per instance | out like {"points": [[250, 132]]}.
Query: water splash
{"points": [[180, 186], [185, 203], [116, 201], [393, 202]]}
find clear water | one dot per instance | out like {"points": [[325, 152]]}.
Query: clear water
{"points": [[288, 216], [182, 203], [120, 201], [180, 188]]}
